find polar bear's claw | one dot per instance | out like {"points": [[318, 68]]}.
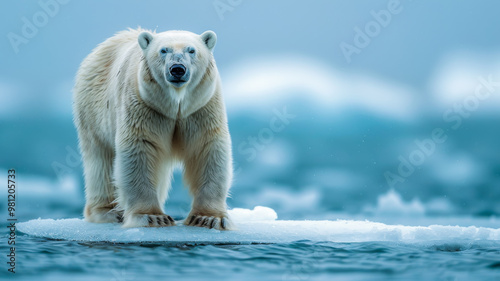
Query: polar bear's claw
{"points": [[211, 222], [160, 220], [147, 220]]}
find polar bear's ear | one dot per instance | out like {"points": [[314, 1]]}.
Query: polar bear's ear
{"points": [[145, 39], [209, 38]]}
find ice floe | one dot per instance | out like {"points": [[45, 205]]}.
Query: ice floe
{"points": [[259, 225]]}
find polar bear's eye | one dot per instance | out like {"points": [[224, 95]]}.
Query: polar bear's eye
{"points": [[191, 50], [164, 50]]}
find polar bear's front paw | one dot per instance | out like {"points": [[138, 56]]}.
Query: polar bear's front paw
{"points": [[141, 220], [216, 222]]}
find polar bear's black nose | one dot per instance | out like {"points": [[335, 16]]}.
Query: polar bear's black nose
{"points": [[177, 70]]}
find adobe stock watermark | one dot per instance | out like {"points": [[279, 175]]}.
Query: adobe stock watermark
{"points": [[364, 36], [454, 117], [302, 270], [122, 275], [32, 25], [254, 144], [73, 159], [223, 6]]}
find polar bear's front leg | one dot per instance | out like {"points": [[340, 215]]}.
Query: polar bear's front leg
{"points": [[99, 190], [208, 171], [137, 176]]}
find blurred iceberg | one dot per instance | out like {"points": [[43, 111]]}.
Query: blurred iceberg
{"points": [[314, 86], [391, 204], [459, 74]]}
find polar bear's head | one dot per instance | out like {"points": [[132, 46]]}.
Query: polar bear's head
{"points": [[177, 58]]}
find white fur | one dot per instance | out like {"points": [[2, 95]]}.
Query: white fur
{"points": [[134, 126]]}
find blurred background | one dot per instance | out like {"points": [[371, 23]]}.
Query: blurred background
{"points": [[336, 108]]}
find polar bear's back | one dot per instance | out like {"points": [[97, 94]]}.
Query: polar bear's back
{"points": [[108, 57], [102, 73]]}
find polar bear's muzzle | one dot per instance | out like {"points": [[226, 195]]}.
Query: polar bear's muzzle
{"points": [[178, 75]]}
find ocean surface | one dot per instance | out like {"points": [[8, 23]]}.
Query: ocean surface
{"points": [[44, 259]]}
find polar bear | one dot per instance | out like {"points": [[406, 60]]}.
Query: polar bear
{"points": [[143, 102]]}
